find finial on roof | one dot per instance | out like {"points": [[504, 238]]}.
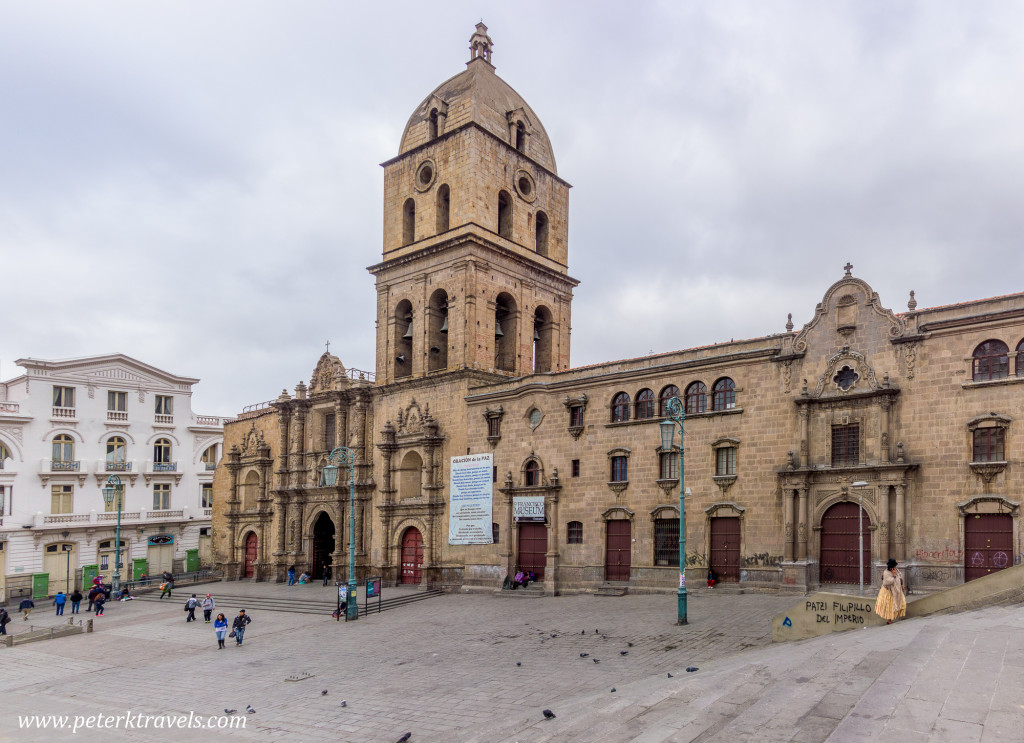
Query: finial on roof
{"points": [[480, 44], [912, 304], [848, 267], [789, 323]]}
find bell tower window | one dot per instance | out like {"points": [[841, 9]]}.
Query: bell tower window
{"points": [[542, 340], [520, 137], [437, 349], [505, 215], [409, 222], [505, 332], [443, 208], [403, 339], [433, 124], [542, 233]]}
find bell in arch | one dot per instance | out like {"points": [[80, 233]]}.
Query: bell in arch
{"points": [[536, 332], [444, 327], [408, 332], [497, 329]]}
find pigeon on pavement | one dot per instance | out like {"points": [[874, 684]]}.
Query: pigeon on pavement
{"points": [[518, 663], [249, 709], [691, 669], [595, 660], [404, 738], [230, 711], [623, 652], [549, 714], [323, 693], [344, 703], [584, 655], [670, 675]]}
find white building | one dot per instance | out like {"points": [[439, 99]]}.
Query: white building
{"points": [[65, 428]]}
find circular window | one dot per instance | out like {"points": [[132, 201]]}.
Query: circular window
{"points": [[525, 186], [535, 417], [425, 175]]}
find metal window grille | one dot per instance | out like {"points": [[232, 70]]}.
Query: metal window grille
{"points": [[574, 532], [620, 469], [575, 468], [726, 461], [666, 541], [845, 445], [989, 445]]}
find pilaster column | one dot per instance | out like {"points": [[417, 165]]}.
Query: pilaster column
{"points": [[802, 527], [805, 453], [340, 424], [900, 541], [510, 540], [883, 522], [787, 518], [284, 423], [298, 444], [886, 405], [282, 523]]}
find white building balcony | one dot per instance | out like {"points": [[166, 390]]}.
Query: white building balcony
{"points": [[103, 469], [117, 416], [161, 470], [63, 414], [56, 468], [108, 519], [163, 420]]}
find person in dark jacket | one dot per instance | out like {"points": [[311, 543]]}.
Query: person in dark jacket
{"points": [[4, 619], [327, 573], [239, 625], [93, 593], [76, 601], [99, 601], [190, 607], [291, 575], [26, 606]]}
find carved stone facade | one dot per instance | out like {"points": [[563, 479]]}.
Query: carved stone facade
{"points": [[861, 408]]}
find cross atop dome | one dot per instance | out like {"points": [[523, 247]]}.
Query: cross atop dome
{"points": [[480, 44]]}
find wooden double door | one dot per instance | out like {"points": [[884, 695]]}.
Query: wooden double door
{"points": [[988, 544], [618, 550]]}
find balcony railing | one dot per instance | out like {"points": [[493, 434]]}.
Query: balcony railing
{"points": [[207, 512], [61, 466], [117, 415], [112, 516], [119, 467], [65, 518], [158, 418], [9, 407], [63, 412], [210, 466], [210, 420], [165, 466], [166, 514]]}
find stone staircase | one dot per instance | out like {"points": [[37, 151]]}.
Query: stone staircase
{"points": [[532, 591]]}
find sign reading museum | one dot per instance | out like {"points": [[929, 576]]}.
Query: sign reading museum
{"points": [[472, 493]]}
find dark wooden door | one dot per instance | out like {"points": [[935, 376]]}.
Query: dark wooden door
{"points": [[323, 545], [725, 548], [533, 548], [412, 556], [839, 545], [618, 550], [988, 542], [250, 554]]}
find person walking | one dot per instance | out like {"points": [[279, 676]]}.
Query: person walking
{"points": [[291, 575], [239, 625], [327, 573], [76, 601], [220, 628], [101, 599], [190, 607], [165, 589], [25, 607], [4, 619], [891, 603], [58, 601], [208, 607]]}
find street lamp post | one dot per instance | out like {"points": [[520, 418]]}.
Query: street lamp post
{"points": [[859, 487], [66, 548], [345, 457], [676, 414], [115, 489]]}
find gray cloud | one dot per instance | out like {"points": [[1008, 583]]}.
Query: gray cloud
{"points": [[198, 186]]}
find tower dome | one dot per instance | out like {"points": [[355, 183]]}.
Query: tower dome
{"points": [[478, 96]]}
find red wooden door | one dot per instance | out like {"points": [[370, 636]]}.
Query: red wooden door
{"points": [[725, 548], [618, 550], [250, 554], [839, 545], [988, 542], [412, 556], [533, 548]]}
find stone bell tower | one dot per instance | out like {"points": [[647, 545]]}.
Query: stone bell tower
{"points": [[474, 273]]}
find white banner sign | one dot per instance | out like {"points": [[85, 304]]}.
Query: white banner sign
{"points": [[471, 491], [528, 508]]}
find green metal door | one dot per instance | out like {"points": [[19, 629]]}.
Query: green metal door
{"points": [[191, 560], [139, 568], [88, 573], [40, 585]]}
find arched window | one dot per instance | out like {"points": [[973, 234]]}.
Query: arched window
{"points": [[444, 202], [403, 339], [644, 404], [542, 340], [723, 394], [5, 454], [411, 480], [210, 457], [505, 332], [63, 448], [409, 222], [542, 233], [433, 123], [666, 394], [437, 331], [1020, 359], [520, 137], [620, 408], [116, 450], [991, 361], [574, 532], [250, 489], [162, 451], [505, 215], [696, 398], [531, 474]]}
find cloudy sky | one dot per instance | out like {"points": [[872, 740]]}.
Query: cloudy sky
{"points": [[197, 184]]}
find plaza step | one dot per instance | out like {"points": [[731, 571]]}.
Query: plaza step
{"points": [[535, 591], [299, 605], [612, 589]]}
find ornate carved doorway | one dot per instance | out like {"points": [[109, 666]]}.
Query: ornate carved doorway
{"points": [[323, 544], [412, 556]]}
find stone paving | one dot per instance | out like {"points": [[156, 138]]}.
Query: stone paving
{"points": [[446, 669]]}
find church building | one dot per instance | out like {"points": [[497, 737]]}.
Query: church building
{"points": [[896, 430]]}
